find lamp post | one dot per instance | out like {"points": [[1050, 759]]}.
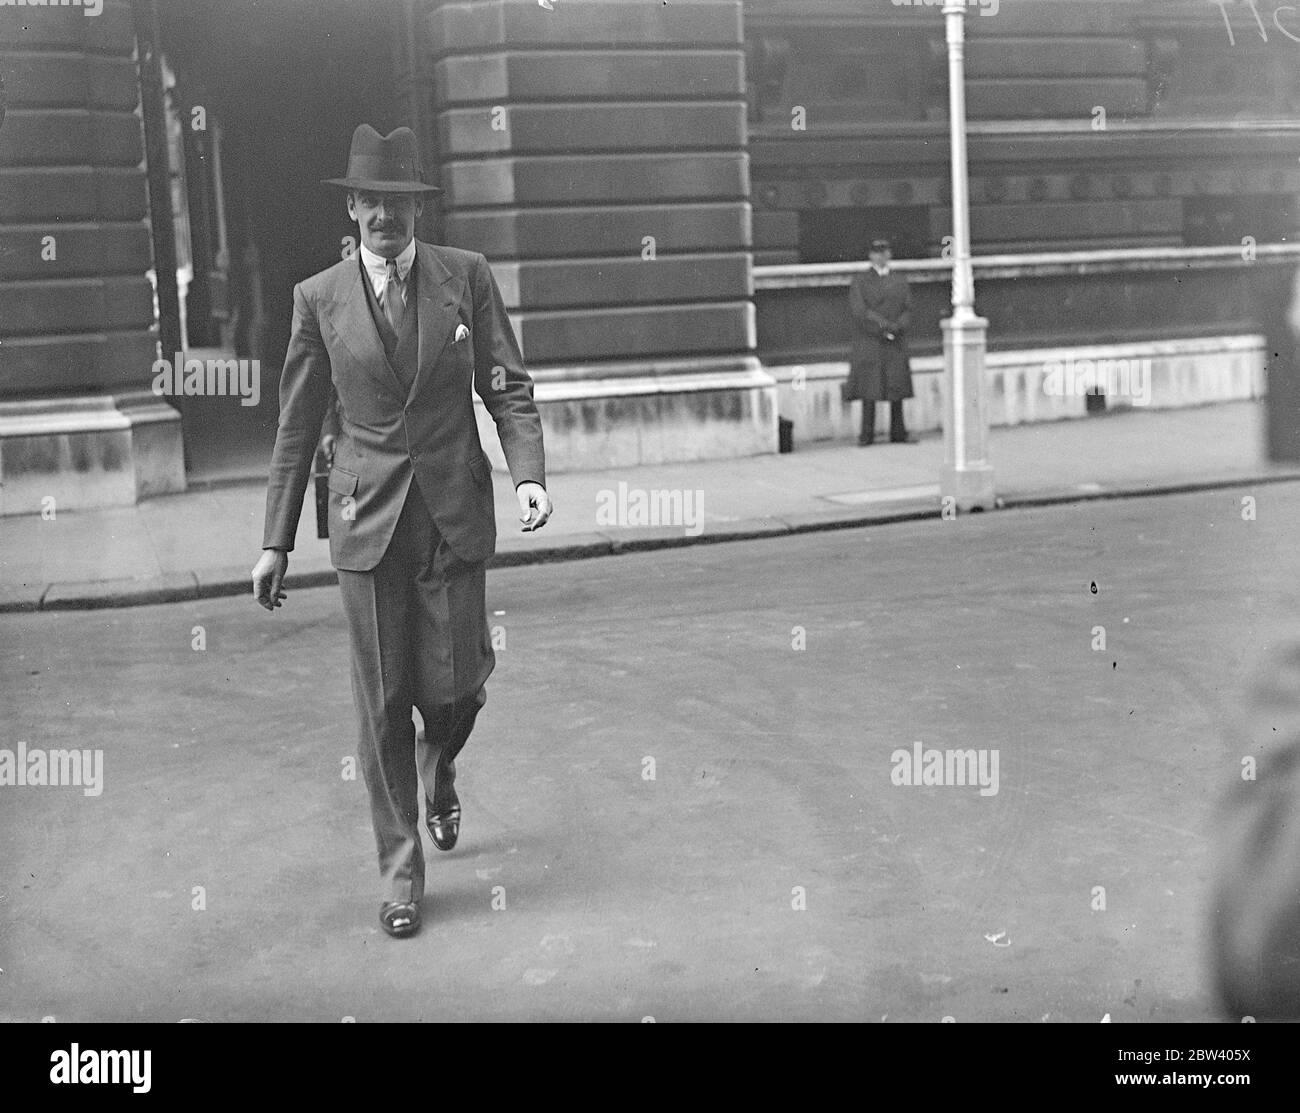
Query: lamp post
{"points": [[967, 477]]}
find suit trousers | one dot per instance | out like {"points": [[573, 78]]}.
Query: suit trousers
{"points": [[417, 623], [897, 428]]}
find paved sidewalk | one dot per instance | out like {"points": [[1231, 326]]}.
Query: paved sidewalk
{"points": [[204, 542]]}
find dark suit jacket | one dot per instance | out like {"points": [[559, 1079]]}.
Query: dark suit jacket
{"points": [[388, 435]]}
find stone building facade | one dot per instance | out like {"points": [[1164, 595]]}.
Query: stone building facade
{"points": [[642, 176]]}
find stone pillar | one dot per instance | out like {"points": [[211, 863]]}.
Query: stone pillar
{"points": [[596, 154], [78, 421]]}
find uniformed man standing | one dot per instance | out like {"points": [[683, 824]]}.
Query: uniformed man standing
{"points": [[879, 370]]}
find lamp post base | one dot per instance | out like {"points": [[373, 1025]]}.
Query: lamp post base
{"points": [[970, 488], [966, 476]]}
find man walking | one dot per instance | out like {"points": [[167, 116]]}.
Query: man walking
{"points": [[403, 331], [879, 370]]}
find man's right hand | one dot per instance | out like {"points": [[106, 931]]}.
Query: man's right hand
{"points": [[268, 575]]}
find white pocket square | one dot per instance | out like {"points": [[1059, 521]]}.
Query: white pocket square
{"points": [[461, 333]]}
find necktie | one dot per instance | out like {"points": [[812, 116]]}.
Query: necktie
{"points": [[393, 307]]}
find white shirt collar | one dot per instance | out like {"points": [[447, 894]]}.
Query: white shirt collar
{"points": [[377, 266], [882, 271]]}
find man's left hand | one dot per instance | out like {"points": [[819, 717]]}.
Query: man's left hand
{"points": [[534, 506]]}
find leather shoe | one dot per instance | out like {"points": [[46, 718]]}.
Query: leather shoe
{"points": [[909, 438], [399, 918], [444, 826]]}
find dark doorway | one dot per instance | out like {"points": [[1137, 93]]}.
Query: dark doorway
{"points": [[286, 82]]}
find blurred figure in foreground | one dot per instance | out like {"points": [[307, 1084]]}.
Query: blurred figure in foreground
{"points": [[1255, 901]]}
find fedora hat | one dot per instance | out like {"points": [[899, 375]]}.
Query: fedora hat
{"points": [[384, 163]]}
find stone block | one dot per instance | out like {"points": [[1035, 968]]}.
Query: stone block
{"points": [[590, 283], [609, 230], [80, 251], [76, 305], [33, 364], [48, 138], [47, 80], [597, 179], [110, 32], [587, 75], [602, 416], [491, 25], [32, 196], [560, 335], [87, 451], [561, 128]]}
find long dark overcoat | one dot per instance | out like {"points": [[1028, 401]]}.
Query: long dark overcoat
{"points": [[879, 369]]}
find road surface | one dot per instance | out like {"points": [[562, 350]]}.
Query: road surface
{"points": [[680, 799]]}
